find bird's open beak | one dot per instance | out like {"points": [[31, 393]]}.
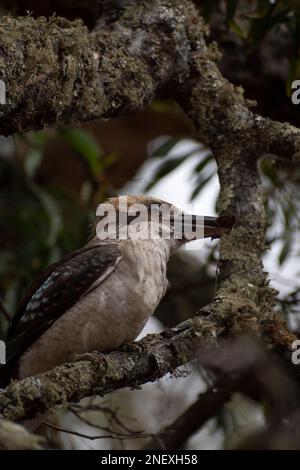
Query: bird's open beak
{"points": [[195, 226]]}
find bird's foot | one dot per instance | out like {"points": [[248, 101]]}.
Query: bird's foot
{"points": [[93, 356]]}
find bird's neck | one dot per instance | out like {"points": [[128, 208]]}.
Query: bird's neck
{"points": [[160, 247]]}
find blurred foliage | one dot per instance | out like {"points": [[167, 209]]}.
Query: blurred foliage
{"points": [[203, 171], [252, 20]]}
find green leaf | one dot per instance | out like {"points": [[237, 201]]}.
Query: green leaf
{"points": [[166, 147], [40, 138], [171, 164], [287, 216], [275, 13], [269, 170], [236, 28], [164, 169], [284, 252], [200, 166], [86, 145], [201, 183], [32, 161], [52, 212]]}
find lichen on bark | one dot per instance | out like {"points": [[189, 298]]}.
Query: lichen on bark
{"points": [[57, 71]]}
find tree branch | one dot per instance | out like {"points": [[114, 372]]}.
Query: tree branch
{"points": [[138, 363], [240, 366], [174, 436], [48, 66], [57, 71], [281, 435]]}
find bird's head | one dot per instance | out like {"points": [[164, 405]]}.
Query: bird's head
{"points": [[147, 218]]}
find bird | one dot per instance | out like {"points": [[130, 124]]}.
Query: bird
{"points": [[99, 297]]}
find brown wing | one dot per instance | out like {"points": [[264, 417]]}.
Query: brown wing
{"points": [[56, 290]]}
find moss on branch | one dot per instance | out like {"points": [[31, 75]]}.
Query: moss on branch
{"points": [[57, 71]]}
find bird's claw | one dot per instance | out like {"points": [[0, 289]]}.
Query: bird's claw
{"points": [[93, 357]]}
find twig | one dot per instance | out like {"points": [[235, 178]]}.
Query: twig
{"points": [[101, 436], [102, 409]]}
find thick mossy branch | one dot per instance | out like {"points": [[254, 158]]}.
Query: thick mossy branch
{"points": [[59, 72], [223, 116], [137, 363], [56, 71]]}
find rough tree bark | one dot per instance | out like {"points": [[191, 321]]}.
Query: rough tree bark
{"points": [[59, 72]]}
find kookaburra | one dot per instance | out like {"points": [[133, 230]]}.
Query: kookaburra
{"points": [[100, 296]]}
